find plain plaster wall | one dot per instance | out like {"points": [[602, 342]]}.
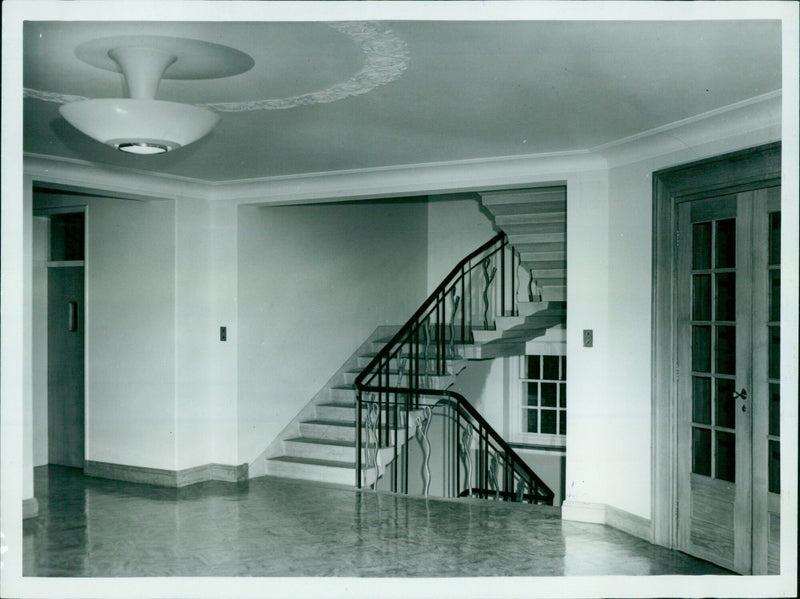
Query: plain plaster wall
{"points": [[195, 333], [587, 307], [130, 329], [224, 385], [314, 281], [457, 225], [41, 233]]}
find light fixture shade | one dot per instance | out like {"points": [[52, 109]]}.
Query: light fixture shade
{"points": [[140, 126]]}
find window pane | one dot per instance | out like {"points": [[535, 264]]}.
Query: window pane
{"points": [[701, 245], [775, 238], [701, 400], [725, 296], [562, 395], [726, 404], [726, 456], [533, 368], [726, 350], [701, 451], [726, 243], [549, 422], [774, 409], [774, 352], [701, 297], [532, 424], [549, 391], [550, 368], [774, 467], [563, 368], [562, 423], [775, 295], [532, 393], [701, 348]]}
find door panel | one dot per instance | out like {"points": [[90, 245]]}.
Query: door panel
{"points": [[727, 384], [65, 366]]}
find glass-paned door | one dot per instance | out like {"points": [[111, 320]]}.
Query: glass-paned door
{"points": [[720, 248]]}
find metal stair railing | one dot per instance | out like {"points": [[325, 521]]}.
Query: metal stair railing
{"points": [[405, 384]]}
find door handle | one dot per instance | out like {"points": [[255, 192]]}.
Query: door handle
{"points": [[743, 396]]}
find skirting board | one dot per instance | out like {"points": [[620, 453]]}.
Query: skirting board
{"points": [[166, 478], [30, 508], [600, 513]]}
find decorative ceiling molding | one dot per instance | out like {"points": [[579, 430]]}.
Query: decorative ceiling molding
{"points": [[757, 118], [734, 127], [386, 58]]}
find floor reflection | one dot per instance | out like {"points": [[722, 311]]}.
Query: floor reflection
{"points": [[278, 527]]}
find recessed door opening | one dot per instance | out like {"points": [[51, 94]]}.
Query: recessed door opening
{"points": [[58, 344]]}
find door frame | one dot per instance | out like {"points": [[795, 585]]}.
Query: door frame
{"points": [[729, 173], [78, 209]]}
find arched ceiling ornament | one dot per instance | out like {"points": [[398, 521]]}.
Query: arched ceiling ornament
{"points": [[386, 58]]}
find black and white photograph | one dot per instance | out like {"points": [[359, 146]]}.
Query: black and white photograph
{"points": [[399, 299]]}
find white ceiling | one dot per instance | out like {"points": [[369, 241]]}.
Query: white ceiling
{"points": [[429, 91]]}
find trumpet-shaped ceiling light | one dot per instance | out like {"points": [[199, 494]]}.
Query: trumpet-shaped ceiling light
{"points": [[141, 124]]}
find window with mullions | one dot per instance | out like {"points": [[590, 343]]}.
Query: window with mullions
{"points": [[544, 395]]}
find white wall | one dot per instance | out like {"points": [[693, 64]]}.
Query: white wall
{"points": [[196, 334], [130, 329], [456, 226], [314, 281], [587, 308], [41, 236], [224, 394]]}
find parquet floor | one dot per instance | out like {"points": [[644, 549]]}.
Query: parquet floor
{"points": [[278, 527]]}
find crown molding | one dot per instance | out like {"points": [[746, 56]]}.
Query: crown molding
{"points": [[411, 179], [757, 120], [128, 183], [751, 122]]}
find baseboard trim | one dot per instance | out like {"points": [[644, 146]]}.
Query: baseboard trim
{"points": [[600, 513], [167, 478], [627, 522], [30, 508], [581, 511]]}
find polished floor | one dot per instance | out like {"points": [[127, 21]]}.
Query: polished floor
{"points": [[279, 527]]}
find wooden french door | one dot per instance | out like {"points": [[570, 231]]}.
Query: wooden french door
{"points": [[728, 390]]}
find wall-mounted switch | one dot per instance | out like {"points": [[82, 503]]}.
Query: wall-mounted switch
{"points": [[588, 337], [223, 333]]}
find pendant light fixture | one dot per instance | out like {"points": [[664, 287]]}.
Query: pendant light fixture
{"points": [[141, 124]]}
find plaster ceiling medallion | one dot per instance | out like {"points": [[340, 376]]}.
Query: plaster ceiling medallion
{"points": [[386, 58], [141, 124]]}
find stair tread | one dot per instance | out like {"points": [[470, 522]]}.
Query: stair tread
{"points": [[325, 422], [314, 461], [335, 442], [317, 441]]}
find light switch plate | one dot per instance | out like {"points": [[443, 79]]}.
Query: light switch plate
{"points": [[588, 338]]}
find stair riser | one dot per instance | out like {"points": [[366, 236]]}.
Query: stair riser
{"points": [[531, 219], [533, 208], [431, 381], [338, 433], [344, 413], [326, 474], [527, 196], [336, 453], [521, 239]]}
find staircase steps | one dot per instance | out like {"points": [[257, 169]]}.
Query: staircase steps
{"points": [[327, 471], [325, 449], [535, 221]]}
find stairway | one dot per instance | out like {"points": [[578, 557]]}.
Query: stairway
{"points": [[535, 221], [322, 446]]}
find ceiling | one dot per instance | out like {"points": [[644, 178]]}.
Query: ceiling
{"points": [[327, 97]]}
